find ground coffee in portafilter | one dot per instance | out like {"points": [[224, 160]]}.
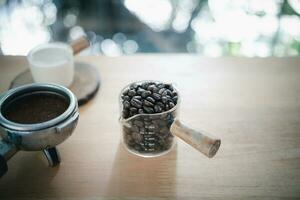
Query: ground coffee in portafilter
{"points": [[149, 133], [35, 107]]}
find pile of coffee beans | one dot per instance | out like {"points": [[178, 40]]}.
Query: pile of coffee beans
{"points": [[148, 134], [148, 97]]}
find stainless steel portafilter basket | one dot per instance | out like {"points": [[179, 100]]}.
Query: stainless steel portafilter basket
{"points": [[41, 135]]}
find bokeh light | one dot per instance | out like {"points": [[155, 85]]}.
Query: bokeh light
{"points": [[130, 47], [209, 27], [155, 13], [110, 48]]}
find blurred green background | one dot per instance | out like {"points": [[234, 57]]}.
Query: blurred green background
{"points": [[250, 28]]}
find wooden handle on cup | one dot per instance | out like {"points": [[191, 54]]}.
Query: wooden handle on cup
{"points": [[208, 145], [79, 44]]}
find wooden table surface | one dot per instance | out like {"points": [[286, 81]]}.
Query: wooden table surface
{"points": [[252, 104]]}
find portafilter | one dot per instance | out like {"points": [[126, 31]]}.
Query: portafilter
{"points": [[36, 117]]}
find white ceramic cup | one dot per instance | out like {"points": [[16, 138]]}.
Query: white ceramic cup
{"points": [[52, 63]]}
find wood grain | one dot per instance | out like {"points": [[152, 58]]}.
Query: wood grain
{"points": [[202, 141], [253, 105], [85, 84]]}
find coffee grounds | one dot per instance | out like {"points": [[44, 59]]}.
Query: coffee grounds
{"points": [[35, 108]]}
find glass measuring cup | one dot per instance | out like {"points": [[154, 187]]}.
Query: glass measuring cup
{"points": [[150, 135]]}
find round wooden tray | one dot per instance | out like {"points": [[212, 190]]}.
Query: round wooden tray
{"points": [[85, 84]]}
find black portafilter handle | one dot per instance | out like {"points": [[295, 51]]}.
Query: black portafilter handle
{"points": [[3, 166], [7, 150]]}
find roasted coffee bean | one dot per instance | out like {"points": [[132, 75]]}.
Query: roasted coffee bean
{"points": [[167, 92], [151, 88], [126, 98], [161, 91], [137, 97], [137, 147], [136, 103], [133, 109], [141, 111], [133, 86], [155, 90], [150, 99], [131, 93], [126, 91], [170, 87], [140, 90], [160, 123], [160, 85], [167, 107], [147, 122], [131, 142], [175, 98], [125, 113], [138, 123], [160, 104], [169, 98], [152, 82], [148, 103], [146, 93], [148, 110], [171, 105], [126, 104], [145, 85], [161, 143], [157, 109], [164, 99], [142, 144], [164, 131], [135, 128], [137, 137], [156, 96]]}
